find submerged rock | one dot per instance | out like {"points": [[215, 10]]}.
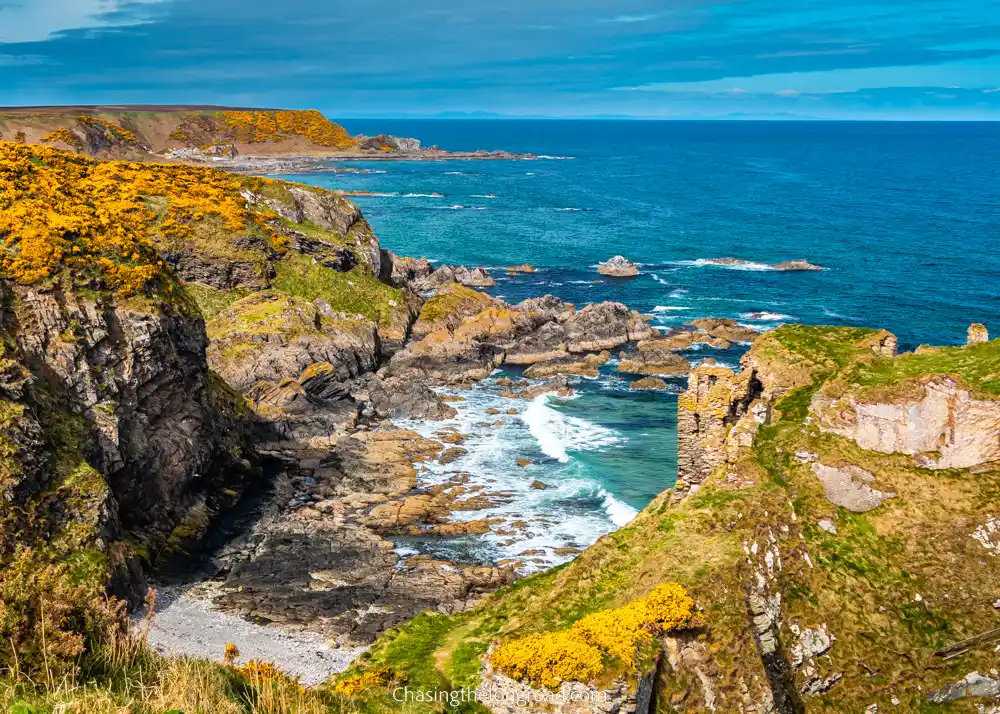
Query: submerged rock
{"points": [[652, 383]]}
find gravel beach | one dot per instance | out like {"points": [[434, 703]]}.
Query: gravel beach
{"points": [[187, 626]]}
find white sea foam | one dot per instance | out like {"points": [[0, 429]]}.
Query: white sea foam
{"points": [[765, 316], [620, 513], [658, 279], [678, 293], [423, 195], [483, 195], [454, 173], [555, 158], [573, 511], [710, 263], [669, 308]]}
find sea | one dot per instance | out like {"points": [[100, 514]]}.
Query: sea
{"points": [[904, 218]]}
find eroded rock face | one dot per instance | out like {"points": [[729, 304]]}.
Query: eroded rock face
{"points": [[271, 336], [604, 326], [942, 425], [717, 417], [850, 487], [977, 334], [163, 430], [469, 277], [408, 270]]}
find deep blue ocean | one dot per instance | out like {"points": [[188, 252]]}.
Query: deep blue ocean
{"points": [[904, 218]]}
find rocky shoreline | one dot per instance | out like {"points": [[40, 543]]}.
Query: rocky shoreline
{"points": [[328, 390], [230, 160]]}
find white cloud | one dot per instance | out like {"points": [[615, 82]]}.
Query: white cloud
{"points": [[39, 20], [631, 18]]}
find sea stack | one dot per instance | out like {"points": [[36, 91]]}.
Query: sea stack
{"points": [[977, 333], [618, 267]]}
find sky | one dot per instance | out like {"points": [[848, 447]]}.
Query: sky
{"points": [[846, 59]]}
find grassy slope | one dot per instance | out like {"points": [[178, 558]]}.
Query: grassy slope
{"points": [[862, 584]]}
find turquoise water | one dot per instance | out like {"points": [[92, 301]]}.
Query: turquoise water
{"points": [[905, 219]]}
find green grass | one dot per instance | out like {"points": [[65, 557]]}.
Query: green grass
{"points": [[446, 304], [977, 365], [354, 292], [820, 343], [211, 301]]}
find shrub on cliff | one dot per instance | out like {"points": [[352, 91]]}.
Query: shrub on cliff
{"points": [[50, 617], [60, 212], [576, 654]]}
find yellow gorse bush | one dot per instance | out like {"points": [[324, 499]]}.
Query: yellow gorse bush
{"points": [[549, 660], [576, 654], [259, 127], [64, 135], [352, 686], [64, 212]]}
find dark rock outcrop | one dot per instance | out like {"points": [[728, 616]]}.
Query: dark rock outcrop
{"points": [[154, 425]]}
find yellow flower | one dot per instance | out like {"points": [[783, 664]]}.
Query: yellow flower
{"points": [[577, 654]]}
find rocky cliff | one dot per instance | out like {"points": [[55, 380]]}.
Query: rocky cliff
{"points": [[834, 521]]}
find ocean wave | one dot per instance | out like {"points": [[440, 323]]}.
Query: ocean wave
{"points": [[555, 158], [678, 293], [620, 513], [483, 195], [765, 316], [710, 263], [557, 434], [571, 209], [658, 279], [584, 282], [669, 308], [454, 173], [423, 195]]}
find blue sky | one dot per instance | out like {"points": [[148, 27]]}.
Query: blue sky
{"points": [[890, 59]]}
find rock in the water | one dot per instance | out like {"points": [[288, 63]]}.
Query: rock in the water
{"points": [[474, 277], [649, 383], [793, 265], [653, 362], [469, 277], [618, 267], [724, 329], [785, 265], [604, 326], [525, 268], [408, 270], [568, 365]]}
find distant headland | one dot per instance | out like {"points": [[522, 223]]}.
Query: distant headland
{"points": [[236, 138]]}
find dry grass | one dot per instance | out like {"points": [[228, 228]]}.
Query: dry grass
{"points": [[124, 676]]}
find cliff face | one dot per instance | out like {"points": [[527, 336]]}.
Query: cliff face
{"points": [[119, 430], [833, 571]]}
